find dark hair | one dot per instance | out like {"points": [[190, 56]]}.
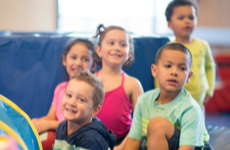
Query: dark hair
{"points": [[175, 3], [72, 42], [176, 47], [101, 32], [95, 82]]}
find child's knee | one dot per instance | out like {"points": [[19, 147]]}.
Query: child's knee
{"points": [[160, 125]]}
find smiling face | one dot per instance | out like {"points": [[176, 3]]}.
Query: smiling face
{"points": [[172, 70], [77, 102], [183, 21], [78, 58], [114, 50]]}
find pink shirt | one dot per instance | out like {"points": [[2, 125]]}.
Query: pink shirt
{"points": [[58, 95], [116, 111]]}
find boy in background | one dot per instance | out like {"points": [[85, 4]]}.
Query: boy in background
{"points": [[168, 118], [82, 101], [182, 19]]}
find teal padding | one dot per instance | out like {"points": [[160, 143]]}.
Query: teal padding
{"points": [[19, 124]]}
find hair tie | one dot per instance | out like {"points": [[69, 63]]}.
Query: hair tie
{"points": [[100, 30]]}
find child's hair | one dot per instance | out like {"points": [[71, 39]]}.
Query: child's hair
{"points": [[175, 3], [95, 82], [101, 32], [176, 47], [72, 42]]}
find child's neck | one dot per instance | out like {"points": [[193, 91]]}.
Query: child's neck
{"points": [[73, 127], [166, 97], [187, 40], [110, 71]]}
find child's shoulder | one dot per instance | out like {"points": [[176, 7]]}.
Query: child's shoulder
{"points": [[131, 79], [187, 101], [149, 96], [97, 134], [203, 43], [132, 83], [62, 85]]}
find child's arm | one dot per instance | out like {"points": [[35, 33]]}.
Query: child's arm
{"points": [[187, 147], [48, 122], [210, 69], [132, 144], [137, 90]]}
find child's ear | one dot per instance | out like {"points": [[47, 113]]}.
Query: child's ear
{"points": [[98, 50], [93, 68], [63, 60], [189, 76], [130, 53], [154, 70], [169, 25], [96, 111]]}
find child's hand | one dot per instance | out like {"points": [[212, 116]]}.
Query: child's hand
{"points": [[39, 124], [118, 147]]}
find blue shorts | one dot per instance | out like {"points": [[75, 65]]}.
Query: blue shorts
{"points": [[174, 142]]}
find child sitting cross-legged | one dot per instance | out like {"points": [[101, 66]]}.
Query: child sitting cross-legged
{"points": [[81, 102], [168, 118]]}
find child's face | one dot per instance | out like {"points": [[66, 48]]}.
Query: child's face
{"points": [[78, 58], [114, 49], [183, 21], [172, 70], [77, 102]]}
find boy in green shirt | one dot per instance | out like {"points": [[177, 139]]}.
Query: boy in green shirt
{"points": [[168, 118]]}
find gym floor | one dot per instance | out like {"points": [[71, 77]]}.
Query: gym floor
{"points": [[218, 126]]}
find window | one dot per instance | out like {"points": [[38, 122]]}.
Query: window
{"points": [[144, 17]]}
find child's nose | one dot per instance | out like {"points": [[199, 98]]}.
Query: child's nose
{"points": [[78, 62], [117, 47], [174, 72], [72, 102], [188, 20]]}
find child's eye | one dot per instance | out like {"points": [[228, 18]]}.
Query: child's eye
{"points": [[123, 44], [181, 18], [73, 57], [183, 68], [81, 100], [191, 17], [68, 95], [111, 43], [85, 59], [167, 66]]}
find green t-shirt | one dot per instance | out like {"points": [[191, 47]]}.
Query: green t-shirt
{"points": [[183, 112]]}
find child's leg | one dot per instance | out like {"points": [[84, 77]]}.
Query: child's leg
{"points": [[159, 132]]}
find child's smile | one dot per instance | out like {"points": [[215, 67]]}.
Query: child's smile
{"points": [[77, 103], [78, 58], [114, 48]]}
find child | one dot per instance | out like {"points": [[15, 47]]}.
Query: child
{"points": [[114, 52], [78, 55], [182, 19], [81, 102], [168, 117]]}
